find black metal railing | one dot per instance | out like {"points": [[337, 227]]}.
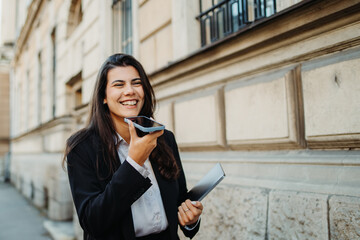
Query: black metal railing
{"points": [[228, 16]]}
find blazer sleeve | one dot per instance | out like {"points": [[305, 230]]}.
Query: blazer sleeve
{"points": [[183, 192], [101, 206]]}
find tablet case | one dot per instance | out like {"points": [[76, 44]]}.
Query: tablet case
{"points": [[207, 183]]}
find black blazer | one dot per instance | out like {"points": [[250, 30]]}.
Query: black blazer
{"points": [[104, 205]]}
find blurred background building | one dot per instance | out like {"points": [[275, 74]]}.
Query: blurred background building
{"points": [[268, 88], [5, 57]]}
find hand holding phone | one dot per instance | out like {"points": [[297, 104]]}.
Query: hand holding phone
{"points": [[141, 147]]}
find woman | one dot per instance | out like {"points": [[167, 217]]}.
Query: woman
{"points": [[125, 186]]}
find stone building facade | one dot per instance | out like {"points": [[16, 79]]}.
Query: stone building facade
{"points": [[4, 111], [270, 89], [6, 54]]}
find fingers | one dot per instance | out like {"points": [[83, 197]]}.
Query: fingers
{"points": [[141, 147], [189, 213], [132, 130], [198, 205], [181, 221], [157, 134]]}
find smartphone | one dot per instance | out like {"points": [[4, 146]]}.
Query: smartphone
{"points": [[144, 125]]}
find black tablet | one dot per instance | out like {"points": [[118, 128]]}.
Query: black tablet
{"points": [[207, 183]]}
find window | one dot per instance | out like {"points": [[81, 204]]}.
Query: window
{"points": [[53, 40], [78, 97], [27, 99], [74, 92], [122, 26], [39, 89], [75, 16], [219, 18], [264, 8]]}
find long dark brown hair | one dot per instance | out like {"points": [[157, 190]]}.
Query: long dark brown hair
{"points": [[100, 122]]}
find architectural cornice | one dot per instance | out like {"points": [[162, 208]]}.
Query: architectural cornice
{"points": [[265, 34], [63, 120], [32, 13]]}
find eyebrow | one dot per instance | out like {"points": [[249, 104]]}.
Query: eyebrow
{"points": [[119, 80]]}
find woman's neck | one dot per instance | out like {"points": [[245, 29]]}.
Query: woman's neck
{"points": [[122, 128]]}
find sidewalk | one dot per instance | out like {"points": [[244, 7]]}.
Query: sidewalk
{"points": [[19, 219]]}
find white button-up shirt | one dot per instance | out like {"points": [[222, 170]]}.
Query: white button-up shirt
{"points": [[148, 211]]}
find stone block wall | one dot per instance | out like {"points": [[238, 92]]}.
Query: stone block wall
{"points": [[4, 113], [295, 215], [229, 216], [344, 215], [41, 179], [278, 107], [233, 212], [286, 85], [60, 199], [46, 61]]}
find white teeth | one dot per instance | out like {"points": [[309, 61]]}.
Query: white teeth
{"points": [[129, 103]]}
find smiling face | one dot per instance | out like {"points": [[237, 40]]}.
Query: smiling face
{"points": [[124, 93]]}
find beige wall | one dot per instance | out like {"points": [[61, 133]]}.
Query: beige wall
{"points": [[155, 36], [5, 74], [262, 104], [5, 106], [40, 142], [8, 28], [276, 104], [4, 116]]}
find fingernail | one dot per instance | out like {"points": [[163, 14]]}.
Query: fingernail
{"points": [[193, 202]]}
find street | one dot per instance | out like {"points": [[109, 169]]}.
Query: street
{"points": [[18, 218]]}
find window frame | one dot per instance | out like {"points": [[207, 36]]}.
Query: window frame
{"points": [[122, 24], [214, 33]]}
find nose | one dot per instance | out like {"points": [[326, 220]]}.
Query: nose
{"points": [[129, 89]]}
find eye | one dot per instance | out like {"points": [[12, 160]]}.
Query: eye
{"points": [[137, 82], [118, 84]]}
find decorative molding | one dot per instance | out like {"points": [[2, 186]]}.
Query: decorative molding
{"points": [[340, 141], [53, 123], [329, 172], [295, 107], [271, 34], [220, 142], [332, 106], [295, 120], [4, 140], [75, 16], [32, 13]]}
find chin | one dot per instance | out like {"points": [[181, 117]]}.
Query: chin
{"points": [[131, 114]]}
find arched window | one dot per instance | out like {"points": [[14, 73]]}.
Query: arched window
{"points": [[75, 16]]}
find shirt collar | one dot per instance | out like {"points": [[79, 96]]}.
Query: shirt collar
{"points": [[120, 139]]}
